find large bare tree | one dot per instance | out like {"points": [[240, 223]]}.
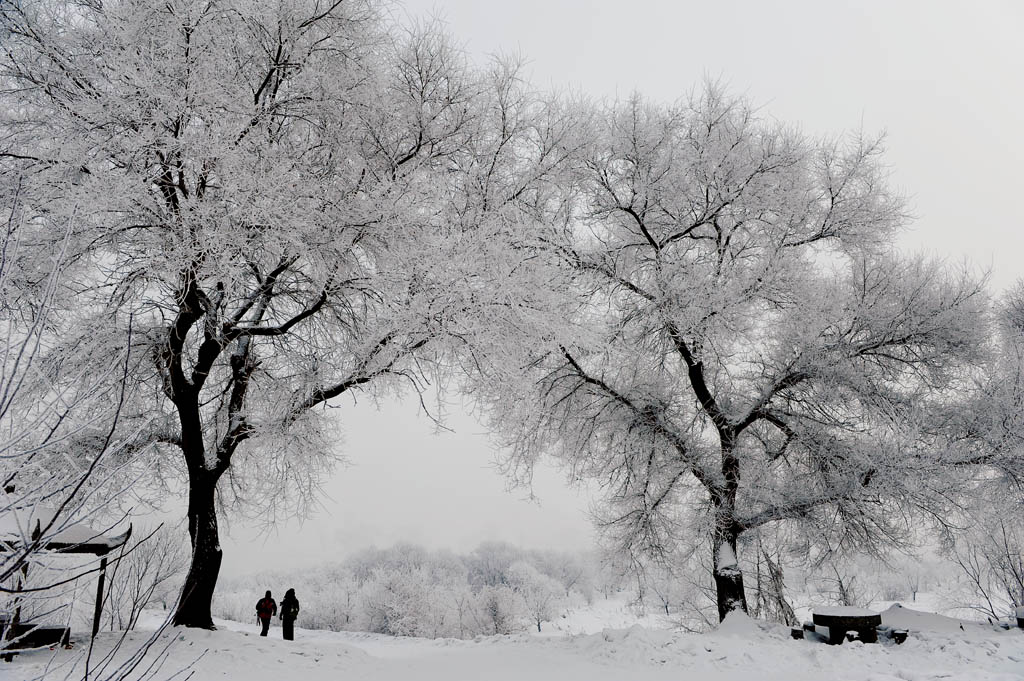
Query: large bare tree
{"points": [[748, 347], [251, 185]]}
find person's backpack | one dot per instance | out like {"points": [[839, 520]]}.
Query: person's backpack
{"points": [[265, 608], [289, 610]]}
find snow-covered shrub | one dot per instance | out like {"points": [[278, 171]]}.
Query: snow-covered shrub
{"points": [[542, 596], [500, 610], [397, 603]]}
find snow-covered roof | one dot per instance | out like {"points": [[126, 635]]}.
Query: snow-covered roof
{"points": [[18, 526]]}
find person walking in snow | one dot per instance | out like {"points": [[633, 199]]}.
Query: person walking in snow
{"points": [[289, 611], [266, 608]]}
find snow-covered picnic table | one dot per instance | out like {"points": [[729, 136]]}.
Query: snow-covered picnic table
{"points": [[841, 619]]}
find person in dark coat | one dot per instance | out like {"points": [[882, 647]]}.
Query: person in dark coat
{"points": [[289, 611], [266, 608]]}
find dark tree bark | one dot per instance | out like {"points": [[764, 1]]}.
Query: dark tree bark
{"points": [[726, 571], [197, 592], [728, 576], [206, 468]]}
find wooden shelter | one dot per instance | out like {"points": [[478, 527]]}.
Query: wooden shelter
{"points": [[21, 527]]}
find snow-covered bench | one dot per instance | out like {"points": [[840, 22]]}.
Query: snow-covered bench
{"points": [[842, 619], [26, 636], [833, 625]]}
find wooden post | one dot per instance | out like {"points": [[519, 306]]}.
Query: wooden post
{"points": [[23, 580], [99, 597]]}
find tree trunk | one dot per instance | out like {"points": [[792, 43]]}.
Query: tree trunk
{"points": [[197, 592], [782, 609], [727, 573]]}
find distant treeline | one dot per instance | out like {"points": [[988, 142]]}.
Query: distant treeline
{"points": [[407, 590], [499, 588]]}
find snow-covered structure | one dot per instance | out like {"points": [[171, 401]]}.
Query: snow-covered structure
{"points": [[23, 527]]}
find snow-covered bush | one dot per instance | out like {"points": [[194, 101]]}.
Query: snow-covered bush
{"points": [[500, 610], [408, 603], [542, 596]]}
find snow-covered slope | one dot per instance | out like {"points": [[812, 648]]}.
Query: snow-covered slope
{"points": [[740, 650]]}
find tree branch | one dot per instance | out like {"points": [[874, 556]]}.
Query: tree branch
{"points": [[358, 377], [759, 409], [695, 372], [659, 426]]}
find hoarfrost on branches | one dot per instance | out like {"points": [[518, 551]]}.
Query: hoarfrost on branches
{"points": [[265, 192], [746, 346]]}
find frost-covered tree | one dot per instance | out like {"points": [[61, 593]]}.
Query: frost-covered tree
{"points": [[990, 554], [257, 187], [541, 594], [680, 591], [574, 572], [989, 432], [489, 563], [770, 600], [399, 603], [985, 539], [498, 610], [747, 348], [150, 572]]}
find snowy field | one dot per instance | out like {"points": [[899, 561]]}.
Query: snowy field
{"points": [[740, 650]]}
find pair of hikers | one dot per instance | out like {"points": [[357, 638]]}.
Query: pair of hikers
{"points": [[266, 608]]}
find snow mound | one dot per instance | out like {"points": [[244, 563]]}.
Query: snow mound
{"points": [[602, 614], [738, 623], [740, 650], [899, 617], [634, 645], [637, 633]]}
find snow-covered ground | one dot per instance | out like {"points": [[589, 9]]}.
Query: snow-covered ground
{"points": [[740, 650]]}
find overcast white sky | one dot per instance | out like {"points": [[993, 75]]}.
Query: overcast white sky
{"points": [[944, 79]]}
